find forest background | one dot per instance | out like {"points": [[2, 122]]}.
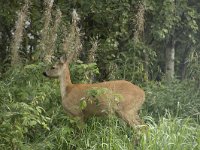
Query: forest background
{"points": [[151, 43]]}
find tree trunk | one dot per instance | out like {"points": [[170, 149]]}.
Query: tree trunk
{"points": [[169, 62], [183, 63]]}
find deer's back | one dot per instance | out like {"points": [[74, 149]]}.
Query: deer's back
{"points": [[115, 94]]}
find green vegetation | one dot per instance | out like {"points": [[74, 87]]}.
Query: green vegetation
{"points": [[32, 117], [153, 44]]}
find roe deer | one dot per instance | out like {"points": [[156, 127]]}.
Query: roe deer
{"points": [[130, 97]]}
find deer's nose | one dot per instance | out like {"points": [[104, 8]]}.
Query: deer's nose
{"points": [[45, 74]]}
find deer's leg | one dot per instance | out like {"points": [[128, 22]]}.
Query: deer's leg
{"points": [[130, 117], [138, 119], [76, 114]]}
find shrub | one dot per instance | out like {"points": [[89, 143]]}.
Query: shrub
{"points": [[181, 99], [171, 134], [32, 117]]}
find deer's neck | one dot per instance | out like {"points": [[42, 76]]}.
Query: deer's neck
{"points": [[65, 81]]}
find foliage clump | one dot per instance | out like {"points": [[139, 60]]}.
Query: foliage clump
{"points": [[131, 46], [31, 117]]}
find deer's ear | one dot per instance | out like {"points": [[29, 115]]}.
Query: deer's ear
{"points": [[63, 59]]}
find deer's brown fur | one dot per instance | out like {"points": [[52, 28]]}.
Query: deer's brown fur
{"points": [[126, 107]]}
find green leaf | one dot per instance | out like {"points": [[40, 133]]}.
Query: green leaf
{"points": [[83, 104], [32, 123]]}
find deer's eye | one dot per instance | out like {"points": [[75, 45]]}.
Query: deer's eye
{"points": [[53, 67]]}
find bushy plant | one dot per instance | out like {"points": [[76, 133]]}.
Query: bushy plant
{"points": [[84, 73], [32, 117], [31, 110], [171, 134], [25, 97], [131, 63], [181, 99]]}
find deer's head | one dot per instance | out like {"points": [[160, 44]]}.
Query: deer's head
{"points": [[57, 69]]}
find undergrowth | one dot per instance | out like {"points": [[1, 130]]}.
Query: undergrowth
{"points": [[31, 117]]}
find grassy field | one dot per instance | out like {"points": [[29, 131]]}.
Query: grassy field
{"points": [[31, 117]]}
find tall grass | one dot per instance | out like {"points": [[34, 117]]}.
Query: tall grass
{"points": [[52, 37], [180, 99], [171, 134], [45, 30], [139, 22], [92, 51], [32, 117], [18, 34], [72, 42], [48, 40]]}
